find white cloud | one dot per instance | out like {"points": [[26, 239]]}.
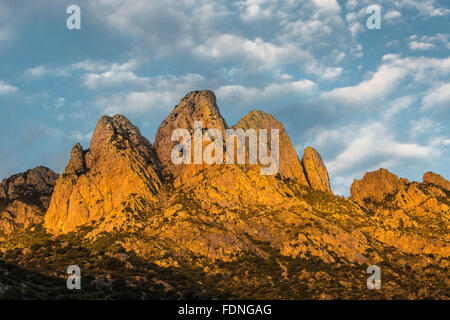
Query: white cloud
{"points": [[328, 5], [355, 149], [250, 97], [60, 102], [254, 10], [41, 71], [416, 45], [433, 41], [115, 77], [397, 105], [370, 91], [423, 125], [79, 136], [437, 97], [386, 80], [7, 88], [426, 8], [392, 15], [163, 92], [255, 52], [440, 141]]}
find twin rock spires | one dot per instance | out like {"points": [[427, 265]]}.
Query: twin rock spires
{"points": [[121, 165]]}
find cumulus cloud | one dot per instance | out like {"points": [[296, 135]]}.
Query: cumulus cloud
{"points": [[370, 91], [437, 97], [41, 71], [429, 42], [255, 52], [116, 75], [7, 88], [423, 125], [163, 92], [386, 80], [426, 8], [392, 15], [239, 96], [369, 147], [416, 45], [397, 105]]}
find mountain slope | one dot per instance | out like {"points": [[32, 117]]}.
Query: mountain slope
{"points": [[133, 220]]}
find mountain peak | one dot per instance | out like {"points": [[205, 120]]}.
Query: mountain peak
{"points": [[119, 166], [436, 179], [39, 180], [117, 130], [315, 170], [77, 162], [375, 185], [24, 197], [195, 106], [289, 166]]}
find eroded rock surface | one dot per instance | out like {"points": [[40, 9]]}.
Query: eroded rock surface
{"points": [[316, 172], [25, 197], [119, 171]]}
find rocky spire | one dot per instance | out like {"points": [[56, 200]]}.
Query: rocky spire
{"points": [[290, 166], [315, 170], [77, 163], [119, 167], [195, 106]]}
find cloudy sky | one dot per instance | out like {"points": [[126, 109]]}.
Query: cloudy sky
{"points": [[364, 98]]}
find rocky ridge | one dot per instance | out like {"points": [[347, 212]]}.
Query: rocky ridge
{"points": [[289, 235], [25, 197], [119, 172]]}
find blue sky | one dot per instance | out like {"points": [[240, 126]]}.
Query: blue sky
{"points": [[364, 98]]}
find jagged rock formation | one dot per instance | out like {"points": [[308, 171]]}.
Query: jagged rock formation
{"points": [[119, 171], [195, 106], [374, 186], [291, 237], [24, 198], [382, 188], [290, 166], [416, 214], [436, 179], [315, 170], [77, 162]]}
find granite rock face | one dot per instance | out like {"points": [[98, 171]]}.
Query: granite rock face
{"points": [[119, 171], [383, 191], [436, 179], [316, 172], [374, 185], [289, 235], [25, 197], [289, 165], [195, 106]]}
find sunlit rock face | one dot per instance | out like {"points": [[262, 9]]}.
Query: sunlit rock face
{"points": [[119, 170], [316, 172]]}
